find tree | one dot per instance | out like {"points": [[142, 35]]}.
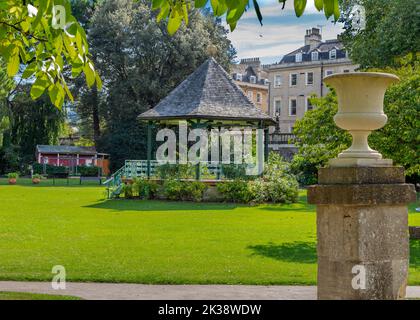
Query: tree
{"points": [[139, 67], [44, 36], [392, 31], [319, 139], [31, 123]]}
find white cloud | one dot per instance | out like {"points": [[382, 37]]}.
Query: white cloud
{"points": [[281, 33]]}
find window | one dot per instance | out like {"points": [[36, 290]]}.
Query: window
{"points": [[314, 56], [333, 54], [258, 97], [250, 95], [293, 79], [309, 78], [266, 82], [291, 129], [292, 106], [309, 106], [277, 81], [277, 107], [346, 70], [298, 57], [328, 72], [239, 77], [253, 79]]}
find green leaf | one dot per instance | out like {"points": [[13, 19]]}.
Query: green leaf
{"points": [[156, 4], [200, 3], [90, 74], [30, 70], [38, 88], [67, 90], [319, 4], [13, 64], [300, 6], [98, 81], [329, 8], [56, 93], [336, 11], [174, 23], [258, 11]]}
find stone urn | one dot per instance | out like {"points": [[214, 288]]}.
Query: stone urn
{"points": [[360, 111], [12, 181]]}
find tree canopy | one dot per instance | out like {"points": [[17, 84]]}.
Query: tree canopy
{"points": [[140, 66], [391, 31], [45, 37], [42, 38]]}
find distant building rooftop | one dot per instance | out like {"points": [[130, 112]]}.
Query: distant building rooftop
{"points": [[66, 149]]}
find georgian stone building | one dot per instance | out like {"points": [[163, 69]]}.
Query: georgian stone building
{"points": [[252, 79], [299, 75]]}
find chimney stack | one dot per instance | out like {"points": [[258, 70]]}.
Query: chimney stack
{"points": [[313, 38]]}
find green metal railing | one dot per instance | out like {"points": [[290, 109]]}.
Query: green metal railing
{"points": [[205, 170]]}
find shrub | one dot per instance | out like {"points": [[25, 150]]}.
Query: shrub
{"points": [[128, 189], [184, 190], [13, 175], [236, 191], [36, 176], [91, 171], [278, 184], [194, 190], [38, 168], [172, 189]]}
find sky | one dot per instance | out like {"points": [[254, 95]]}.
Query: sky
{"points": [[281, 32]]}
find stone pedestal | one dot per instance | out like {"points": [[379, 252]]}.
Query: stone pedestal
{"points": [[362, 229]]}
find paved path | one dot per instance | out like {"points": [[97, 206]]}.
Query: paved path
{"points": [[121, 291]]}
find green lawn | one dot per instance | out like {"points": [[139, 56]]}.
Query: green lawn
{"points": [[33, 296], [156, 242]]}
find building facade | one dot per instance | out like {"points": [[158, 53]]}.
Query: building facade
{"points": [[72, 156], [299, 75], [252, 79]]}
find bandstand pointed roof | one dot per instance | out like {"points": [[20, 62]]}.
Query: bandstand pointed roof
{"points": [[208, 93]]}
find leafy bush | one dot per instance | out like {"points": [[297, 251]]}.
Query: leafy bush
{"points": [[38, 168], [13, 175], [194, 190], [172, 189], [37, 176], [145, 189], [128, 190], [184, 190], [91, 171], [278, 184], [236, 191]]}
